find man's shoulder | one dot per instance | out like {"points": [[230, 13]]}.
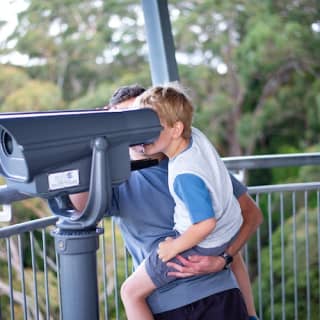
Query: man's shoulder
{"points": [[151, 180]]}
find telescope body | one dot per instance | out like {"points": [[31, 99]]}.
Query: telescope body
{"points": [[49, 153]]}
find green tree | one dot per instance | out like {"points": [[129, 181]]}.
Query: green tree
{"points": [[79, 43], [248, 79], [34, 96], [263, 69], [11, 79], [100, 97]]}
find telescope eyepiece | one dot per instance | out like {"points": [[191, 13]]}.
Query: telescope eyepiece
{"points": [[7, 143]]}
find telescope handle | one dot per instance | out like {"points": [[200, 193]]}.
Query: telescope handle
{"points": [[100, 193]]}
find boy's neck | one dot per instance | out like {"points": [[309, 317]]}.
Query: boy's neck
{"points": [[177, 147]]}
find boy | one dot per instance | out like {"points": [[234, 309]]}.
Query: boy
{"points": [[207, 216]]}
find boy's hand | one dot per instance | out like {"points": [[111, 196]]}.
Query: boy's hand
{"points": [[166, 249]]}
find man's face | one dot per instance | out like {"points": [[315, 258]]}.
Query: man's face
{"points": [[124, 105]]}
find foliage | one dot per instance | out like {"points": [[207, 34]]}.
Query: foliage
{"points": [[76, 42], [87, 49], [11, 79], [104, 91], [34, 96]]}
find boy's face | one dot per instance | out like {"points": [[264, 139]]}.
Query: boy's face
{"points": [[163, 143]]}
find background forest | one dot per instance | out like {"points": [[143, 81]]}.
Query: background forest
{"points": [[252, 68]]}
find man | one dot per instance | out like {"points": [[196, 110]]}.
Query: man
{"points": [[144, 223]]}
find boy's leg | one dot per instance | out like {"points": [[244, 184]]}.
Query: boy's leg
{"points": [[134, 292], [241, 273]]}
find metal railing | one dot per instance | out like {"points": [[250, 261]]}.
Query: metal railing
{"points": [[283, 257], [21, 293]]}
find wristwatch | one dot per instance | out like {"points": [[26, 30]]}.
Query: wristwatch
{"points": [[228, 259]]}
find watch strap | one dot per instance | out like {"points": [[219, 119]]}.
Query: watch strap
{"points": [[228, 259]]}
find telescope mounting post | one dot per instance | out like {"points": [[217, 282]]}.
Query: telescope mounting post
{"points": [[77, 240]]}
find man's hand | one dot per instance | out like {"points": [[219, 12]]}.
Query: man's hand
{"points": [[167, 249], [196, 265]]}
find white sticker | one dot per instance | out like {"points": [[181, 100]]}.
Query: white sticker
{"points": [[5, 213], [5, 209], [64, 179]]}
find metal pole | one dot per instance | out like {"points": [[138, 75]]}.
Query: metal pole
{"points": [[160, 41], [78, 273]]}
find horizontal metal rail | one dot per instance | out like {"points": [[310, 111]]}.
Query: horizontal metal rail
{"points": [[27, 226], [272, 161], [284, 187]]}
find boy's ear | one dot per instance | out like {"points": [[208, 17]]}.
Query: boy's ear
{"points": [[178, 129]]}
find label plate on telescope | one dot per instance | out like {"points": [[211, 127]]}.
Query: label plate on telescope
{"points": [[65, 179]]}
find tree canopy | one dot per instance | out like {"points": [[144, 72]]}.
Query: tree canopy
{"points": [[252, 66]]}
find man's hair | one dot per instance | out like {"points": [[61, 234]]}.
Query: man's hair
{"points": [[126, 92], [171, 104]]}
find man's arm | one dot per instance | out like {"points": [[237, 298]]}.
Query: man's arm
{"points": [[79, 200], [196, 265], [252, 218]]}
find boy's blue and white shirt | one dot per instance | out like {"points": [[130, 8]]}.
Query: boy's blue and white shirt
{"points": [[201, 188]]}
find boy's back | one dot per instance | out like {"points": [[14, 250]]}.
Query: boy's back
{"points": [[196, 168]]}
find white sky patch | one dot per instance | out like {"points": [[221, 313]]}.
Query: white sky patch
{"points": [[222, 68], [316, 26], [196, 29], [114, 22], [8, 13], [15, 58]]}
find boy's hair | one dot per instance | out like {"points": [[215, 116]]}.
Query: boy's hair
{"points": [[124, 93], [171, 105]]}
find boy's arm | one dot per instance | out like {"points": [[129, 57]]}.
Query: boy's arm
{"points": [[197, 232], [196, 265], [192, 191]]}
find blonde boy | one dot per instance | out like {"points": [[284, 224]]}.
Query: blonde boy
{"points": [[207, 216]]}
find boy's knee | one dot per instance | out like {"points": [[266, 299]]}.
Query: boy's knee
{"points": [[130, 291], [125, 290]]}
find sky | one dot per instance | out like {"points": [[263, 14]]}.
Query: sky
{"points": [[8, 13]]}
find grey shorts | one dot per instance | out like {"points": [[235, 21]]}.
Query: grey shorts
{"points": [[158, 270]]}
